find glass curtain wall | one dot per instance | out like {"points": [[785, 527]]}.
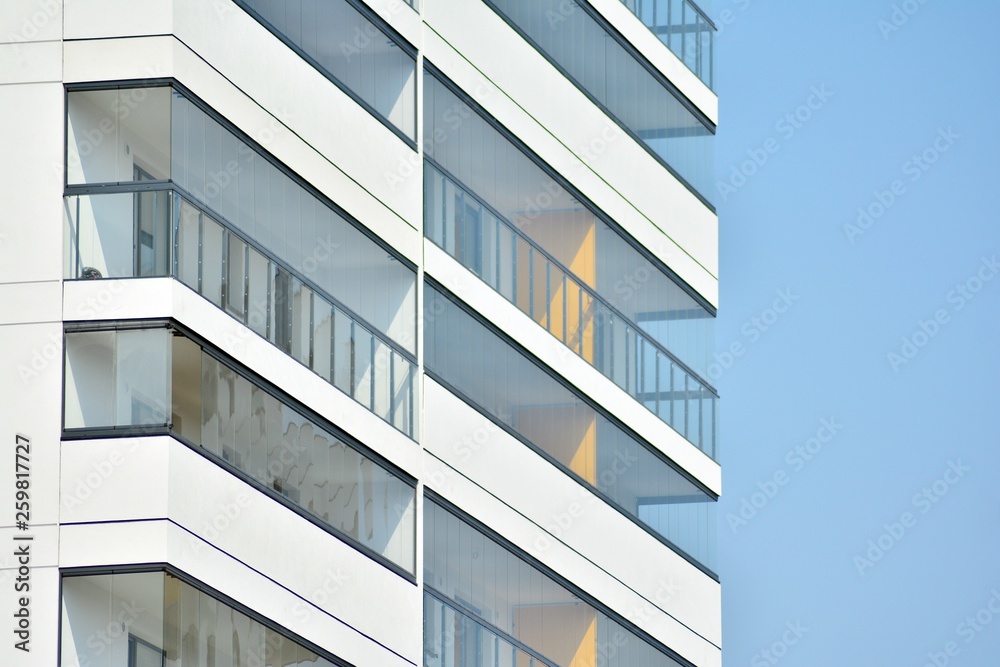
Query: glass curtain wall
{"points": [[491, 207], [591, 54], [157, 187], [484, 606], [155, 619], [516, 391], [127, 378], [358, 53]]}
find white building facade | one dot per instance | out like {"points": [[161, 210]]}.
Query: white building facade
{"points": [[358, 333]]}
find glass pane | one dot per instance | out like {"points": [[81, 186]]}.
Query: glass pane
{"points": [[210, 417], [322, 333], [142, 383], [343, 359], [152, 213], [381, 367], [257, 292], [101, 229], [301, 329], [212, 249], [89, 394], [236, 265], [118, 135], [363, 366], [188, 244], [186, 384], [281, 310]]}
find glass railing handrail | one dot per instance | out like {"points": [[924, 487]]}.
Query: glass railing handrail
{"points": [[704, 72], [378, 375], [166, 185], [583, 287]]}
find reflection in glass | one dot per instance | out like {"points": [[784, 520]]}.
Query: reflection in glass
{"points": [[484, 603], [602, 66], [160, 620]]}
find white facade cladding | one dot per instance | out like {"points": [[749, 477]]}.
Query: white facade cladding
{"points": [[357, 333]]}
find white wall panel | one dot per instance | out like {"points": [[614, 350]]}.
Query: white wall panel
{"points": [[31, 227], [88, 19], [31, 21]]}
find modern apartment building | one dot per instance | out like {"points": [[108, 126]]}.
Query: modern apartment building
{"points": [[357, 332]]}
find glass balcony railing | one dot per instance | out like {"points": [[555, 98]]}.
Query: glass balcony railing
{"points": [[684, 28], [530, 278], [453, 639], [154, 230]]}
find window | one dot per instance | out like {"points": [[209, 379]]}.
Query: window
{"points": [[143, 654]]}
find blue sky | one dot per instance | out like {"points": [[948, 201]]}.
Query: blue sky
{"points": [[874, 534]]}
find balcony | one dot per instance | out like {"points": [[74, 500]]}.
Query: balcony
{"points": [[493, 248], [684, 28], [155, 229]]}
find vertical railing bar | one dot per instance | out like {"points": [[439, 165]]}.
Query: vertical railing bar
{"points": [[225, 269], [175, 224], [267, 300], [513, 273], [79, 257], [496, 266], [565, 315], [246, 284], [656, 387], [201, 252], [312, 329], [548, 296], [333, 346], [531, 282], [392, 387], [353, 353]]}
